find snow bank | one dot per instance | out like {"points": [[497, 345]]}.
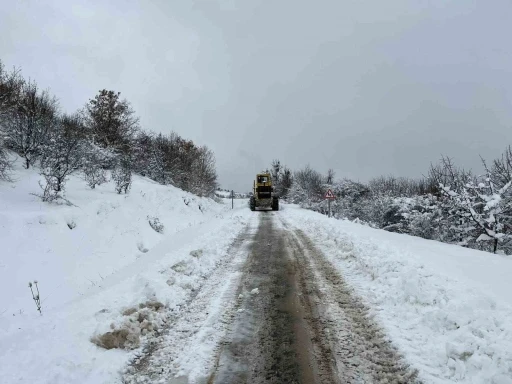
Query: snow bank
{"points": [[447, 308], [95, 261], [69, 249]]}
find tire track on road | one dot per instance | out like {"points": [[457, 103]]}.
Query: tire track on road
{"points": [[272, 340], [359, 347], [283, 315]]}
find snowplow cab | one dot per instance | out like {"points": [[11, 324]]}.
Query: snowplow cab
{"points": [[264, 195]]}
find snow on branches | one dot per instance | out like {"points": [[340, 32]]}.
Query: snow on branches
{"points": [[479, 208]]}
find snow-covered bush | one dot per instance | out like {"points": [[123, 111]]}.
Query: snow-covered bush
{"points": [[51, 190], [94, 175], [96, 160], [62, 155], [394, 221], [282, 178], [350, 196], [5, 162], [416, 216], [450, 204], [307, 189], [122, 175], [424, 218], [481, 209]]}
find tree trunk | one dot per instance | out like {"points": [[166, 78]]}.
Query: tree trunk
{"points": [[495, 245]]}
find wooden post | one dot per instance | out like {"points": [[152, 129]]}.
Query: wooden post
{"points": [[232, 199]]}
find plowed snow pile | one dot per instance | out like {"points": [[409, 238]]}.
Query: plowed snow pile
{"points": [[109, 267], [447, 308]]}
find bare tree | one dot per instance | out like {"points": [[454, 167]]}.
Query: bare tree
{"points": [[185, 153], [501, 172], [5, 162], [10, 89], [142, 151], [174, 160], [30, 123], [399, 186], [63, 154], [276, 171], [329, 179], [204, 176], [286, 182], [11, 85]]}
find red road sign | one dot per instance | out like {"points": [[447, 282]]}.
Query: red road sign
{"points": [[329, 195]]}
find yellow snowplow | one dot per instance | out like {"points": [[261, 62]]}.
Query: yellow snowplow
{"points": [[263, 195]]}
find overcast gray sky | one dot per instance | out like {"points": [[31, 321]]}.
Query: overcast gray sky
{"points": [[365, 87]]}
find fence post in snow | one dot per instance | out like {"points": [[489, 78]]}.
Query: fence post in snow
{"points": [[232, 199]]}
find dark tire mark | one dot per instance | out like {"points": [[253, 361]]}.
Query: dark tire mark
{"points": [[362, 352], [272, 341]]}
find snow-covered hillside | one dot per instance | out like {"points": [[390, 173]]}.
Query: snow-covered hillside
{"points": [[92, 259]]}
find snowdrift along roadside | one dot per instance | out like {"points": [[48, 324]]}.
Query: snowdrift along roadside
{"points": [[93, 260], [448, 309]]}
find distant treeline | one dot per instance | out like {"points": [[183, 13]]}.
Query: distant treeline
{"points": [[104, 135], [450, 204], [226, 194]]}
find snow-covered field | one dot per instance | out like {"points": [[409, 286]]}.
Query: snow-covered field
{"points": [[93, 260], [447, 308]]}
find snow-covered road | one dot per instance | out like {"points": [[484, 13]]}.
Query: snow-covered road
{"points": [[276, 311], [288, 296], [304, 325]]}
